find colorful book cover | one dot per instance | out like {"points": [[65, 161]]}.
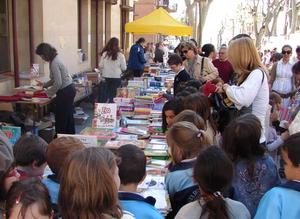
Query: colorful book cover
{"points": [[105, 115], [13, 133]]}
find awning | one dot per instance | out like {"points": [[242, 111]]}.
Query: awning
{"points": [[158, 22]]}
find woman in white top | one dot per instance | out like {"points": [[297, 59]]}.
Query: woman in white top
{"points": [[112, 64], [282, 81], [213, 171], [252, 88]]}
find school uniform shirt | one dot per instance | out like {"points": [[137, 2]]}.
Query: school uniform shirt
{"points": [[180, 78], [281, 202], [53, 186], [139, 206], [193, 210], [250, 189], [59, 77], [112, 68], [253, 91], [180, 184]]}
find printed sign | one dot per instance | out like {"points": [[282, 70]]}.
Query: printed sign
{"points": [[13, 133], [105, 115], [87, 140]]}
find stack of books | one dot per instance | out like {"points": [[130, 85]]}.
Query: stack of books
{"points": [[143, 105], [125, 105], [157, 148]]}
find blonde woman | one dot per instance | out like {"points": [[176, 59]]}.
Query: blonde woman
{"points": [[251, 94]]}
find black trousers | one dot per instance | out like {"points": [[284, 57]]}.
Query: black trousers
{"points": [[138, 73], [111, 88], [64, 109]]}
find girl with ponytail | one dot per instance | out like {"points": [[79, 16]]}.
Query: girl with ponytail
{"points": [[185, 142], [213, 171]]}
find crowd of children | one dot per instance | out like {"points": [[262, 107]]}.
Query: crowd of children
{"points": [[237, 169]]}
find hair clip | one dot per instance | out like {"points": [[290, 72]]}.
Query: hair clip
{"points": [[217, 194], [200, 134]]}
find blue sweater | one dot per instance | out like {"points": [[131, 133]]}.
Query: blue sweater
{"points": [[53, 186], [280, 202], [139, 206], [249, 190], [180, 185], [136, 59]]}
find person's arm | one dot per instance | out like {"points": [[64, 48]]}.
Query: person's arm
{"points": [[273, 74], [210, 69], [123, 62], [57, 79], [244, 94], [140, 54], [101, 63], [48, 83]]}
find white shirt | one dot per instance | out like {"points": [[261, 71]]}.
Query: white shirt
{"points": [[252, 91], [112, 68]]}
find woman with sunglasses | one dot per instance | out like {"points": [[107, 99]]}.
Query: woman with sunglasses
{"points": [[282, 80], [199, 68]]}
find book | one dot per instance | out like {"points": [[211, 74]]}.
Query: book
{"points": [[107, 134], [117, 144], [105, 115], [13, 133]]}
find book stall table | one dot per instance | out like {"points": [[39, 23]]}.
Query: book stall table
{"points": [[138, 121]]}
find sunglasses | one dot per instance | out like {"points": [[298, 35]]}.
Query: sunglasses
{"points": [[286, 52], [185, 51]]}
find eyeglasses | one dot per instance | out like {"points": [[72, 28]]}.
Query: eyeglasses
{"points": [[185, 51], [286, 52]]}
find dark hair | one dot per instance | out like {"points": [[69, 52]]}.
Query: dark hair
{"points": [[276, 57], [296, 68], [292, 147], [30, 148], [194, 41], [298, 49], [288, 46], [207, 49], [241, 140], [200, 104], [241, 35], [140, 40], [58, 150], [174, 59], [213, 171], [111, 48], [46, 50], [27, 192], [132, 167], [193, 83], [173, 105]]}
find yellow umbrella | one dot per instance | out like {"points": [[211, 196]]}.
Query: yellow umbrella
{"points": [[158, 22]]}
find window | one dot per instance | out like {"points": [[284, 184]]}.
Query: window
{"points": [[4, 38]]}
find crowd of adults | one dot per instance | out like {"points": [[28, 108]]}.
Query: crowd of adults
{"points": [[226, 124]]}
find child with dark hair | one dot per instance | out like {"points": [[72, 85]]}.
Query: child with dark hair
{"points": [[169, 111], [283, 201], [30, 156], [255, 172], [213, 171], [185, 141], [132, 171], [56, 154], [201, 105], [28, 198], [175, 63]]}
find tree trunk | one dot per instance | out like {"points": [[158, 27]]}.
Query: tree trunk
{"points": [[203, 9], [294, 16], [190, 15]]}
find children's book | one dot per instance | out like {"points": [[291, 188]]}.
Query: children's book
{"points": [[117, 144], [13, 133]]}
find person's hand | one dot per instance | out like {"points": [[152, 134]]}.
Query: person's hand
{"points": [[285, 135], [161, 94], [225, 86]]}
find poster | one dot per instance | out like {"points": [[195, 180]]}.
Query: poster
{"points": [[13, 133], [105, 115], [87, 140]]}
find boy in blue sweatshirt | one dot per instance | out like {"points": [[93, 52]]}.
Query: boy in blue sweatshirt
{"points": [[132, 171], [284, 201]]}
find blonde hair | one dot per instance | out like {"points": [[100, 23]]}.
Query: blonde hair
{"points": [[185, 141], [192, 117], [243, 56]]}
